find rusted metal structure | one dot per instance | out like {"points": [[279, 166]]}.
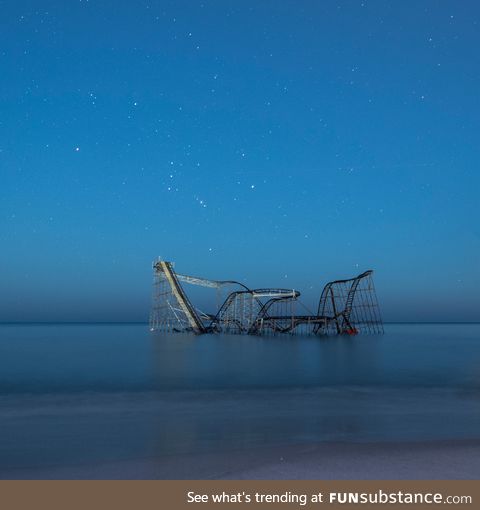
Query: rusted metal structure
{"points": [[345, 307]]}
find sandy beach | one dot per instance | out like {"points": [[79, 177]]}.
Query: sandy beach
{"points": [[328, 461]]}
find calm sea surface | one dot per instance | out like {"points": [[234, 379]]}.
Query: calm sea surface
{"points": [[72, 394]]}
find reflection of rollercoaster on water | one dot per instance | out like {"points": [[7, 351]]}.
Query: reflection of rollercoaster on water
{"points": [[345, 307]]}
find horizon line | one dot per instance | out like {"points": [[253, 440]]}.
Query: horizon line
{"points": [[147, 322]]}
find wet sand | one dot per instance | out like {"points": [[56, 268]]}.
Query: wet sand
{"points": [[434, 460]]}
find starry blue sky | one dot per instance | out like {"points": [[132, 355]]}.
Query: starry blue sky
{"points": [[277, 143]]}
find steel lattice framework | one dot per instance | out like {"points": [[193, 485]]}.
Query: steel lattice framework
{"points": [[346, 307]]}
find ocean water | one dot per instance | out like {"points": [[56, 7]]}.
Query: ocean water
{"points": [[95, 393]]}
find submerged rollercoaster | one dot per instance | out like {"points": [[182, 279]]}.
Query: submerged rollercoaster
{"points": [[345, 307]]}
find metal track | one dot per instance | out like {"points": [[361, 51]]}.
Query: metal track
{"points": [[345, 307]]}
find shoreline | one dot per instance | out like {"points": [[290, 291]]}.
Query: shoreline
{"points": [[433, 460]]}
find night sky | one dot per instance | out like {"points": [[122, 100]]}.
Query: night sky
{"points": [[277, 143]]}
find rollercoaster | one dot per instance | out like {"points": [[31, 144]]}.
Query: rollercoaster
{"points": [[345, 307]]}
